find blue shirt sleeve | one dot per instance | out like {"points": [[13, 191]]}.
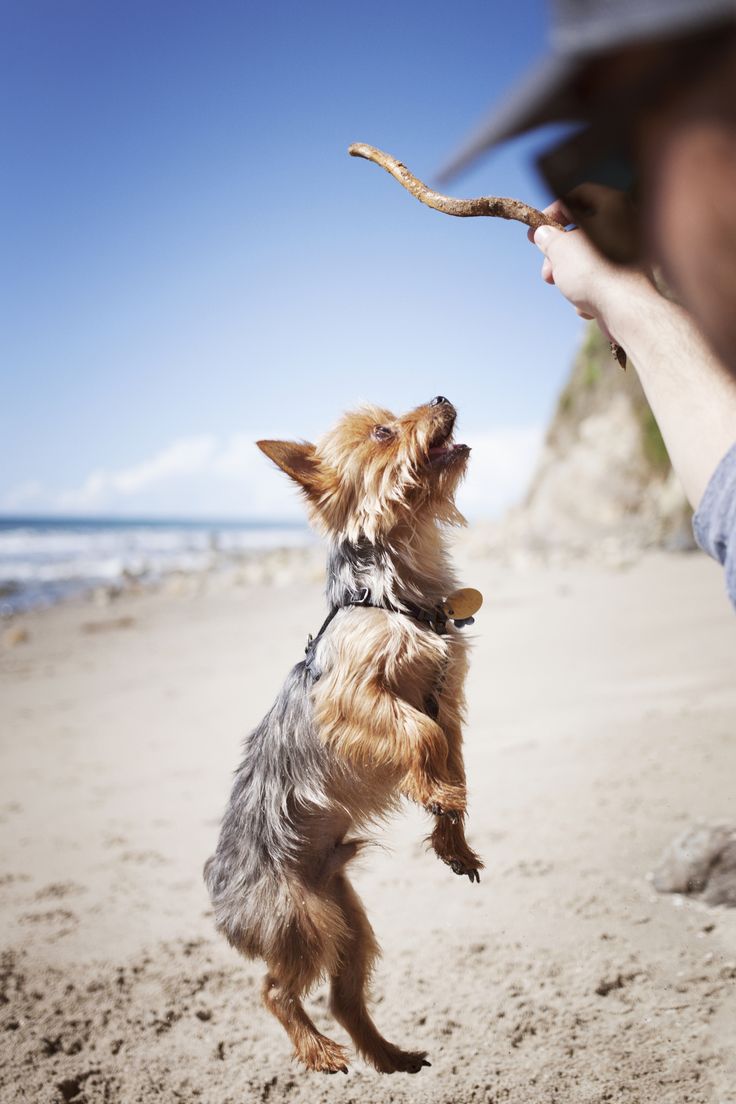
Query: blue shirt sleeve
{"points": [[714, 523]]}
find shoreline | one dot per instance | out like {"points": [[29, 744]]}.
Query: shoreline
{"points": [[271, 566], [47, 560], [506, 543]]}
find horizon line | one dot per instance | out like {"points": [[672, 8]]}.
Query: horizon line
{"points": [[284, 523]]}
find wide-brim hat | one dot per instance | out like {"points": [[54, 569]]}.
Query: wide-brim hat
{"points": [[583, 31]]}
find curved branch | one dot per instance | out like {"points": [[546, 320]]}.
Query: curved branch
{"points": [[492, 206]]}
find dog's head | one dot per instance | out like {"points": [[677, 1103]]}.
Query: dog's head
{"points": [[375, 471]]}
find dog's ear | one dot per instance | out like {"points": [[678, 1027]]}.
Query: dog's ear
{"points": [[297, 459]]}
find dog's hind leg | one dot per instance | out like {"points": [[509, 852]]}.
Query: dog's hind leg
{"points": [[315, 1050], [349, 983], [305, 948]]}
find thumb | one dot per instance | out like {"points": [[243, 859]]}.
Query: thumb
{"points": [[544, 236]]}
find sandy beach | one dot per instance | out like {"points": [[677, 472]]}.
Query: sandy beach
{"points": [[601, 725]]}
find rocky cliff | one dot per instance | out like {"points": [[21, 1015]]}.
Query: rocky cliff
{"points": [[604, 475]]}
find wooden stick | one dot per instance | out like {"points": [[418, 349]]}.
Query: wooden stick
{"points": [[493, 206], [490, 206]]}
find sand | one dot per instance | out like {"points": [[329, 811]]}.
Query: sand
{"points": [[601, 726]]}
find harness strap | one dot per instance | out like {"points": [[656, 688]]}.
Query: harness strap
{"points": [[361, 599], [435, 618]]}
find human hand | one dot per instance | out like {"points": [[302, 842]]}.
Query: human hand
{"points": [[590, 283]]}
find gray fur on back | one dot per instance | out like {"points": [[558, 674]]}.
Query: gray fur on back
{"points": [[282, 773], [285, 770]]}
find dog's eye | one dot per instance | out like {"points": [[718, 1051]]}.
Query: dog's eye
{"points": [[382, 433]]}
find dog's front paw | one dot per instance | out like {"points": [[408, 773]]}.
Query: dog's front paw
{"points": [[459, 867]]}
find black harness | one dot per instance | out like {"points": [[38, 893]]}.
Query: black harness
{"points": [[435, 618]]}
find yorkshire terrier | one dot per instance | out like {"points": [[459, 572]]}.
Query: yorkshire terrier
{"points": [[373, 712]]}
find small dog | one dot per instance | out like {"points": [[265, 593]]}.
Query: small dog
{"points": [[373, 712]]}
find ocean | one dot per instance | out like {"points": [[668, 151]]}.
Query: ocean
{"points": [[45, 560]]}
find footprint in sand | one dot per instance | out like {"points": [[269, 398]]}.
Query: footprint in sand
{"points": [[51, 916], [110, 625], [13, 879], [56, 890], [144, 858]]}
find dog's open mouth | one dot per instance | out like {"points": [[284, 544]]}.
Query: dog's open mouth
{"points": [[442, 449]]}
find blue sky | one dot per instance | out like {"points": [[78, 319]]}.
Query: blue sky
{"points": [[189, 259]]}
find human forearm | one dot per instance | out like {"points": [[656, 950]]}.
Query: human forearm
{"points": [[692, 396]]}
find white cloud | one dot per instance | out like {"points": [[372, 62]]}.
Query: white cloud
{"points": [[238, 457], [198, 476], [206, 476], [186, 457]]}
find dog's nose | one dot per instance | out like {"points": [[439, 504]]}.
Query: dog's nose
{"points": [[438, 400]]}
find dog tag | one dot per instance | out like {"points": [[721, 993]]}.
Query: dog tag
{"points": [[462, 604]]}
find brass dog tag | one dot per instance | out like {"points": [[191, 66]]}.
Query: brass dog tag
{"points": [[462, 603]]}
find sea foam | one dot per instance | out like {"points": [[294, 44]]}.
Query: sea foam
{"points": [[47, 559]]}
